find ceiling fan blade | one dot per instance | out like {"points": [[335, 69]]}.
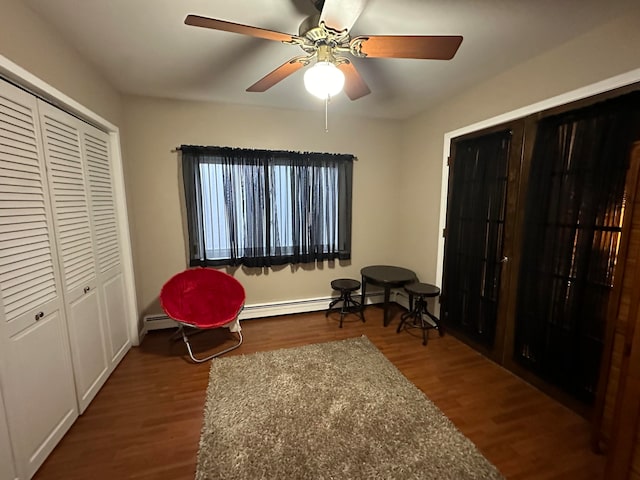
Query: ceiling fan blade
{"points": [[205, 22], [340, 15], [434, 47], [279, 74], [354, 85]]}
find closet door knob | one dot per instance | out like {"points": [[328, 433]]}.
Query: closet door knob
{"points": [[86, 289]]}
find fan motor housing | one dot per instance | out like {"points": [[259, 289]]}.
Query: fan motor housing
{"points": [[309, 26]]}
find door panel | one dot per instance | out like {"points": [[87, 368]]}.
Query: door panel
{"points": [[572, 231], [7, 467], [35, 365], [474, 246], [40, 390], [89, 356], [103, 208], [27, 280], [105, 225], [116, 316], [64, 156], [66, 177]]}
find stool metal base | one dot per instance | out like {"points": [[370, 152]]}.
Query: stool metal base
{"points": [[349, 305], [417, 320]]}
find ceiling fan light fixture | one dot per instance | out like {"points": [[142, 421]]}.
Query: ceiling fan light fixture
{"points": [[324, 80]]}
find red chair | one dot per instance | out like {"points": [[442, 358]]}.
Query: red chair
{"points": [[204, 298]]}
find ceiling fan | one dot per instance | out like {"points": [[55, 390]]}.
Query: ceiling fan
{"points": [[325, 37]]}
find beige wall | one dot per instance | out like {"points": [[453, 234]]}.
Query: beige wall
{"points": [[153, 128], [604, 52], [28, 41]]}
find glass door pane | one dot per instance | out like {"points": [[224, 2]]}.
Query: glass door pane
{"points": [[476, 211], [572, 230]]}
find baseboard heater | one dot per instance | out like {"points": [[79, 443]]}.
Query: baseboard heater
{"points": [[162, 321], [158, 322]]}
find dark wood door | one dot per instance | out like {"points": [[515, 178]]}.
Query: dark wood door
{"points": [[573, 213], [483, 189], [618, 410], [530, 257]]}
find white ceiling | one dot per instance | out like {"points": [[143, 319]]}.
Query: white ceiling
{"points": [[143, 47]]}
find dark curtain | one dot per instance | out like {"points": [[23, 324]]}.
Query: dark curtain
{"points": [[475, 229], [573, 219], [193, 200], [255, 219]]}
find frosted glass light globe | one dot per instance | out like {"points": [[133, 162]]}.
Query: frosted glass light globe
{"points": [[324, 80]]}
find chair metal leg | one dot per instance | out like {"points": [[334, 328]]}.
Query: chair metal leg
{"points": [[349, 305], [185, 339], [424, 329], [356, 307], [411, 313], [331, 305], [415, 315], [436, 320], [344, 309], [190, 332]]}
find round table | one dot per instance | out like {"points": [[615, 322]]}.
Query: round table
{"points": [[387, 277]]}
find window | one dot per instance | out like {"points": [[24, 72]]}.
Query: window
{"points": [[259, 208]]}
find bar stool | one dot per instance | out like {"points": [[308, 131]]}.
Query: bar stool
{"points": [[416, 312], [345, 286]]}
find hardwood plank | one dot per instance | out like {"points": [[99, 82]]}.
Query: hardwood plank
{"points": [[145, 422]]}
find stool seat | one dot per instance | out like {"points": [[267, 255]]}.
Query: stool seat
{"points": [[419, 309], [424, 289], [345, 286]]}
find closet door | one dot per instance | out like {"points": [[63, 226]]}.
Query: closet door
{"points": [[7, 467], [36, 371], [95, 145], [65, 166]]}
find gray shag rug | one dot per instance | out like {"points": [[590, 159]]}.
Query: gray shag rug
{"points": [[336, 410]]}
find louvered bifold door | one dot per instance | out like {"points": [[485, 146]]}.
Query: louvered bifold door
{"points": [[63, 153], [36, 375], [105, 227]]}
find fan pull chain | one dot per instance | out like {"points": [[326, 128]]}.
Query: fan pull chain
{"points": [[326, 114]]}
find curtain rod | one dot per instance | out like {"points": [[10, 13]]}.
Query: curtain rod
{"points": [[179, 149]]}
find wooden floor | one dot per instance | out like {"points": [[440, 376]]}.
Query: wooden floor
{"points": [[145, 422]]}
